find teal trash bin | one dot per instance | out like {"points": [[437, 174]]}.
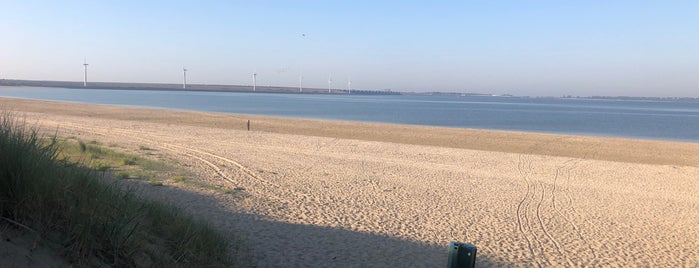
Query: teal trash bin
{"points": [[461, 255]]}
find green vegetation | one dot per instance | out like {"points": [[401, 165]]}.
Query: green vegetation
{"points": [[123, 166], [122, 175], [128, 161], [179, 178], [43, 189]]}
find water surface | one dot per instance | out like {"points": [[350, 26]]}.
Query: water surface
{"points": [[662, 120]]}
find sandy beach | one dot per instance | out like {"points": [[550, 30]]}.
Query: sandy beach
{"points": [[314, 193]]}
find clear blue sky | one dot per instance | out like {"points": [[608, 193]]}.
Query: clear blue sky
{"points": [[554, 48]]}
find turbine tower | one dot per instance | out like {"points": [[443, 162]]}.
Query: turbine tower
{"points": [[85, 78], [184, 77], [254, 81], [300, 83], [349, 85], [330, 83]]}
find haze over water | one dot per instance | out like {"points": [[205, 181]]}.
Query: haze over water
{"points": [[635, 119]]}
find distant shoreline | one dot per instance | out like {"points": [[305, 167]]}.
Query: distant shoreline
{"points": [[190, 87], [295, 90]]}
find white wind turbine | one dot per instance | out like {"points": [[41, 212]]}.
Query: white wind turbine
{"points": [[184, 77], [254, 81], [330, 83], [85, 78], [300, 82]]}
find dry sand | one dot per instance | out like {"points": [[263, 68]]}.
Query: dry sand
{"points": [[322, 193]]}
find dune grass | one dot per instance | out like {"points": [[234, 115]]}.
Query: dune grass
{"points": [[93, 218], [121, 165]]}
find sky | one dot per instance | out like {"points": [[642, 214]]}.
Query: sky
{"points": [[534, 48]]}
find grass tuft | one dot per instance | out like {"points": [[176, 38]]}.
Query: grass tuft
{"points": [[99, 165], [129, 161], [155, 183], [179, 178], [83, 146], [122, 175]]}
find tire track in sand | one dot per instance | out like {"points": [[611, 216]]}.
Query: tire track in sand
{"points": [[543, 226], [536, 192], [523, 206], [569, 170]]}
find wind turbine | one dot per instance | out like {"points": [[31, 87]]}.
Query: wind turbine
{"points": [[303, 37], [330, 83], [254, 81], [349, 85], [300, 82], [85, 78], [184, 77]]}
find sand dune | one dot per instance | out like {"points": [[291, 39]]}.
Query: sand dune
{"points": [[322, 193]]}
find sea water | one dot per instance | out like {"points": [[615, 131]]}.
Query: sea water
{"points": [[663, 120]]}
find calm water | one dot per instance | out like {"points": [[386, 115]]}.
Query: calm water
{"points": [[637, 119]]}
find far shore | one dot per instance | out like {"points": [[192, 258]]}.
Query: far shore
{"points": [[189, 87]]}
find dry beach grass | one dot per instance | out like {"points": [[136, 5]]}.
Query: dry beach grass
{"points": [[326, 193]]}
